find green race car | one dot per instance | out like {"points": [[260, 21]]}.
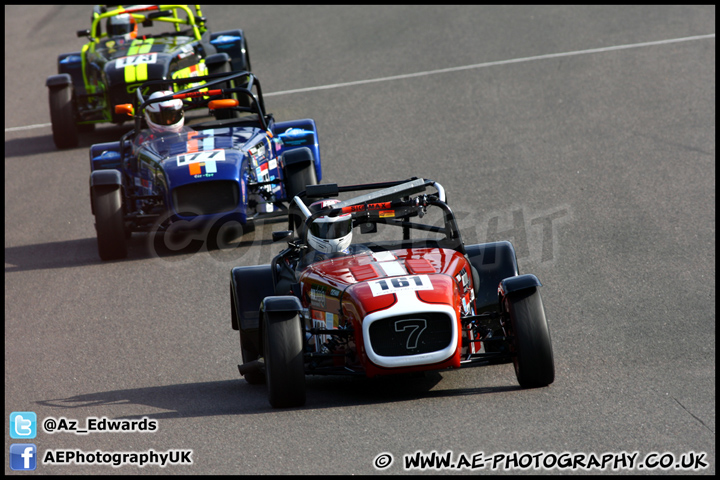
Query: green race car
{"points": [[126, 48]]}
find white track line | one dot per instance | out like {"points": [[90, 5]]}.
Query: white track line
{"points": [[27, 127], [493, 64], [454, 69]]}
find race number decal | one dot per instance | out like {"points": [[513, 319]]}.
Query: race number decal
{"points": [[414, 327], [400, 284], [135, 60], [205, 156]]}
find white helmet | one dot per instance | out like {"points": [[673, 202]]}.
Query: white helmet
{"points": [[167, 116], [329, 234]]}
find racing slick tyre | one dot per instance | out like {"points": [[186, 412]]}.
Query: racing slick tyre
{"points": [[62, 116], [284, 367], [227, 113], [491, 263], [533, 355], [297, 178], [249, 285], [248, 349], [109, 223], [247, 55]]}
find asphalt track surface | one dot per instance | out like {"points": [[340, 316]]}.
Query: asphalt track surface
{"points": [[585, 135]]}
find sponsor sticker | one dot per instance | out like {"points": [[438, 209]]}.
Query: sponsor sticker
{"points": [[317, 297], [331, 320]]}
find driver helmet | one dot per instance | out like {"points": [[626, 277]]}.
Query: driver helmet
{"points": [[329, 234], [122, 25], [167, 116]]}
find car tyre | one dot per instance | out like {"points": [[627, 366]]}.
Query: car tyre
{"points": [[284, 364], [490, 263], [243, 101], [248, 287], [531, 345], [109, 223], [297, 178], [248, 349], [247, 55], [62, 116]]}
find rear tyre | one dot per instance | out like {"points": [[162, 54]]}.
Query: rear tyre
{"points": [[225, 113], [297, 178], [532, 348], [284, 366], [248, 348], [62, 116], [247, 56], [109, 223], [249, 286], [491, 263]]}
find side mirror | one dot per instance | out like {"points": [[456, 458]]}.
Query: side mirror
{"points": [[125, 108], [277, 236]]}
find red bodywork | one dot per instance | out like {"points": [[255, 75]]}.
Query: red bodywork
{"points": [[406, 289]]}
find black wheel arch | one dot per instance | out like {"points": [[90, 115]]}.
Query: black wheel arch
{"points": [[491, 263], [250, 285], [279, 303]]}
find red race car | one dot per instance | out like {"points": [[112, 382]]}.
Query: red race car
{"points": [[405, 294]]}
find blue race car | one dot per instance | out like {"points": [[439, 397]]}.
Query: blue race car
{"points": [[240, 167]]}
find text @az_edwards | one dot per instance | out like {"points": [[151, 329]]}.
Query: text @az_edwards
{"points": [[95, 424]]}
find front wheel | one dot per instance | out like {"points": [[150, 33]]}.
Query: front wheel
{"points": [[109, 223], [62, 116], [533, 355], [284, 365]]}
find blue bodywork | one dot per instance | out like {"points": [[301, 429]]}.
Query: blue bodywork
{"points": [[232, 168]]}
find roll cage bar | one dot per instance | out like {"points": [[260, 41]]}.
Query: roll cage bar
{"points": [[147, 13], [203, 94], [392, 197]]}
